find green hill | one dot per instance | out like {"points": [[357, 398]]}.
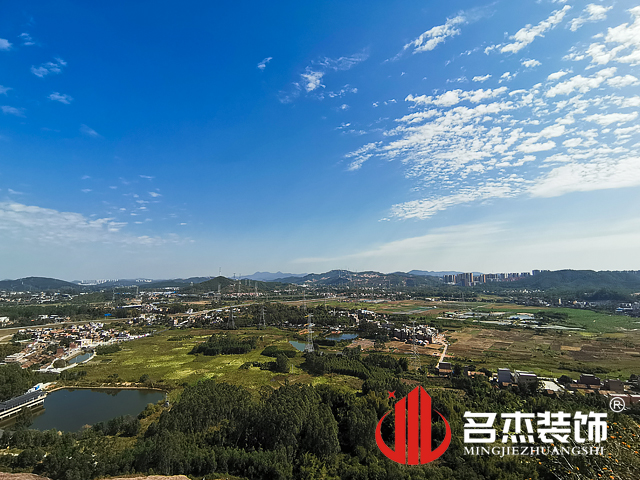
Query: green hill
{"points": [[37, 284]]}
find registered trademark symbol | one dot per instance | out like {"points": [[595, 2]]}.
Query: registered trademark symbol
{"points": [[616, 404]]}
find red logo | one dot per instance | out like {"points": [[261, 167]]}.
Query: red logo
{"points": [[417, 451]]}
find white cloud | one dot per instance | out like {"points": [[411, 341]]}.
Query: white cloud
{"points": [[26, 39], [361, 155], [530, 63], [426, 208], [155, 194], [592, 13], [580, 83], [7, 110], [619, 82], [572, 142], [608, 119], [49, 67], [342, 92], [599, 174], [453, 97], [51, 226], [627, 38], [147, 177], [507, 76], [84, 129], [313, 75], [4, 90], [528, 34], [530, 146], [312, 80], [4, 44], [557, 75], [263, 64], [481, 79], [436, 35], [61, 97]]}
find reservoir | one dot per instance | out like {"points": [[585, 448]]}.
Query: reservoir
{"points": [[342, 336], [69, 410], [80, 358], [297, 345]]}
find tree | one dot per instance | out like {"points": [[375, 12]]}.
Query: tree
{"points": [[282, 363]]}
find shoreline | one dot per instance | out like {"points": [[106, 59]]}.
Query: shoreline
{"points": [[127, 387]]}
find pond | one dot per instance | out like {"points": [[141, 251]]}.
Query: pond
{"points": [[297, 345], [80, 358], [69, 410], [342, 336]]}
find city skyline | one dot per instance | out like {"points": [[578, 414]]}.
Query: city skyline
{"points": [[148, 141]]}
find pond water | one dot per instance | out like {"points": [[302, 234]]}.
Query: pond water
{"points": [[80, 358], [297, 345], [69, 410], [342, 336]]}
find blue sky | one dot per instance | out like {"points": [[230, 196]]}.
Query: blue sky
{"points": [[164, 139]]}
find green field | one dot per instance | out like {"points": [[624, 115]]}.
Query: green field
{"points": [[169, 365]]}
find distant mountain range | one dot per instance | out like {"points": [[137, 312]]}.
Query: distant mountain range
{"points": [[269, 277], [587, 280]]}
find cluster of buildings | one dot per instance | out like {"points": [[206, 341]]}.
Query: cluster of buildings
{"points": [[39, 298], [48, 345], [469, 279], [586, 384], [631, 309]]}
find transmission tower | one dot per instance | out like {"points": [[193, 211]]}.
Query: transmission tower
{"points": [[415, 356], [231, 325], [309, 345], [264, 325]]}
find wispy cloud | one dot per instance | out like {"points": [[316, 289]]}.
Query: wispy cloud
{"points": [[530, 63], [312, 78], [60, 97], [622, 44], [26, 39], [592, 13], [430, 39], [86, 130], [4, 44], [4, 90], [263, 64], [155, 194], [568, 133], [528, 34], [482, 78], [44, 225], [8, 110], [147, 177], [48, 68]]}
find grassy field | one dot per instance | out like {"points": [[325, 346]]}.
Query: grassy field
{"points": [[168, 363], [549, 353]]}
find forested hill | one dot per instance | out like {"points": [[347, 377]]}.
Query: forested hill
{"points": [[36, 284], [364, 279], [209, 286], [580, 279]]}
